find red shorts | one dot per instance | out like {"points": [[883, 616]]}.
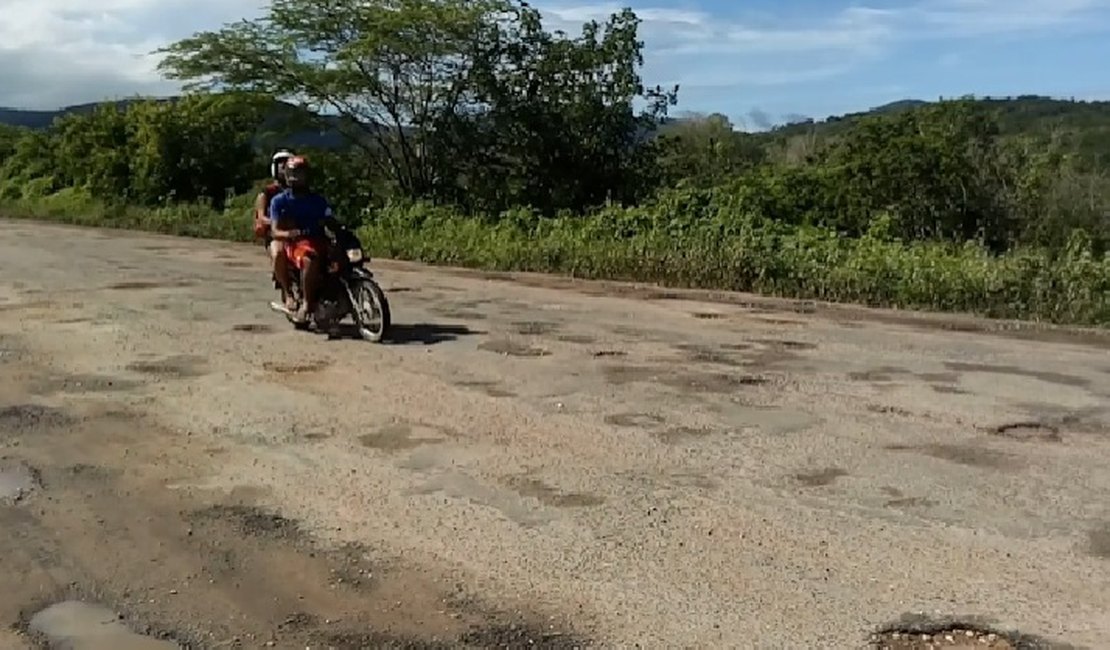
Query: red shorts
{"points": [[305, 247]]}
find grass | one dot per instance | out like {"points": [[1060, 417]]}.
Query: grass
{"points": [[707, 246]]}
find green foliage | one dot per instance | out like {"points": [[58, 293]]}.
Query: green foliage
{"points": [[689, 238], [198, 148]]}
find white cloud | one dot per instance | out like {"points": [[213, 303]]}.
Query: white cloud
{"points": [[59, 52]]}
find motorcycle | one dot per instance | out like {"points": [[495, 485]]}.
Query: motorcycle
{"points": [[348, 289]]}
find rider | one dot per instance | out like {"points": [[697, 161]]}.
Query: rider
{"points": [[299, 217], [262, 225]]}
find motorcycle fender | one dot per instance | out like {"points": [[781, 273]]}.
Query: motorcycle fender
{"points": [[362, 273]]}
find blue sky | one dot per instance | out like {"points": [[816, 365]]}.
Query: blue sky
{"points": [[758, 61]]}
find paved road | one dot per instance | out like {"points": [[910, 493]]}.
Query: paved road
{"points": [[539, 459]]}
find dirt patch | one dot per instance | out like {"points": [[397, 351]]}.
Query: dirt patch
{"points": [[536, 328], [787, 344], [21, 417], [238, 265], [180, 366], [880, 374], [1043, 375], [139, 285], [910, 502], [622, 375], [609, 353], [968, 455], [86, 384], [522, 636], [949, 390], [938, 377], [706, 354], [490, 388], [886, 409], [1028, 432], [513, 349], [633, 420], [580, 339], [708, 315], [821, 477], [678, 435], [710, 382], [292, 368], [251, 521], [460, 314], [395, 437], [550, 496], [1098, 542], [253, 328]]}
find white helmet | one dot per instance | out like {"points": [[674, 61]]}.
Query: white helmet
{"points": [[277, 159]]}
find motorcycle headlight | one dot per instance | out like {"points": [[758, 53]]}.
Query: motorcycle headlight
{"points": [[354, 255]]}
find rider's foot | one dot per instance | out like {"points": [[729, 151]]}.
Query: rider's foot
{"points": [[291, 303], [300, 316]]}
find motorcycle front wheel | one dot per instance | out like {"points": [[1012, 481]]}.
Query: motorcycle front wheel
{"points": [[370, 309]]}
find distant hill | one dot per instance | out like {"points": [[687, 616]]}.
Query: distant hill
{"points": [[1082, 127], [1085, 124], [1015, 114]]}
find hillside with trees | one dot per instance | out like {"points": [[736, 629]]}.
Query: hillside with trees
{"points": [[463, 132]]}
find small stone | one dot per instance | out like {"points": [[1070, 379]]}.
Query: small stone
{"points": [[925, 637], [992, 637], [173, 592], [969, 633], [949, 638]]}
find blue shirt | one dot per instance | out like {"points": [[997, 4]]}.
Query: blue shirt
{"points": [[307, 211]]}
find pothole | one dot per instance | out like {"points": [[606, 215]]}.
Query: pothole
{"points": [[147, 284], [17, 480], [22, 416], [293, 368], [180, 366], [78, 625], [951, 639], [1029, 432], [535, 328], [509, 348], [253, 328]]}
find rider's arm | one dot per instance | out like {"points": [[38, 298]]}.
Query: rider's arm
{"points": [[283, 227], [260, 208]]}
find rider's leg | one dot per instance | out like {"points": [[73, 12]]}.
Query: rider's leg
{"points": [[311, 276], [281, 274]]}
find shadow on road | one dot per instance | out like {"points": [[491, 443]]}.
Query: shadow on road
{"points": [[426, 333], [412, 333]]}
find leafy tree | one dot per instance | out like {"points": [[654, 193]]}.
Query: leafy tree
{"points": [[449, 97], [197, 147], [940, 169], [706, 150]]}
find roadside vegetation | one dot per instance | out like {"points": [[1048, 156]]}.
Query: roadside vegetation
{"points": [[463, 132]]}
